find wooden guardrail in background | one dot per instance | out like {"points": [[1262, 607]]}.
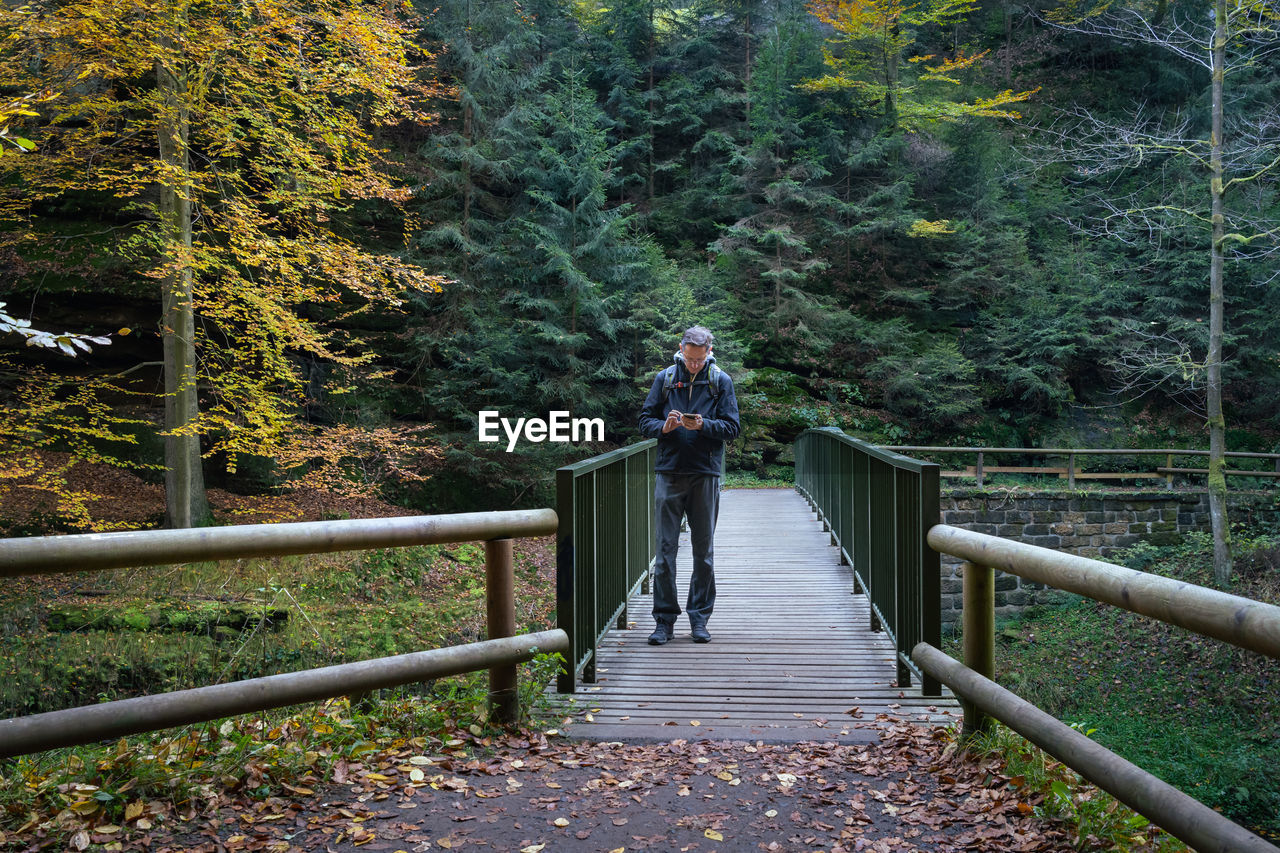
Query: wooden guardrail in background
{"points": [[1252, 625], [97, 551], [878, 507], [605, 548], [1072, 471]]}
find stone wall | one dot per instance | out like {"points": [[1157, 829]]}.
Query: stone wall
{"points": [[1087, 524]]}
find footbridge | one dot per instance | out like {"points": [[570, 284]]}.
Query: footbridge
{"points": [[796, 653]]}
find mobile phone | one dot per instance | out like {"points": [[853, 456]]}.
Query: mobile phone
{"points": [[689, 420]]}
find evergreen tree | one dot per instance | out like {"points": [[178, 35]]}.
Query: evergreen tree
{"points": [[779, 184]]}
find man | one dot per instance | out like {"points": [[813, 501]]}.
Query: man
{"points": [[692, 411]]}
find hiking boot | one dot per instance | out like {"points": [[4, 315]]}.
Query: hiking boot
{"points": [[698, 630], [662, 633]]}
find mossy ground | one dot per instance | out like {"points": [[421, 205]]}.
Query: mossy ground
{"points": [[79, 639], [1198, 713]]}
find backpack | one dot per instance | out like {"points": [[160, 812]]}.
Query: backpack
{"points": [[712, 380]]}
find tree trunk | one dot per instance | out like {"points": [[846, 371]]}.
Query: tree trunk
{"points": [[651, 97], [1213, 361], [892, 58], [186, 503]]}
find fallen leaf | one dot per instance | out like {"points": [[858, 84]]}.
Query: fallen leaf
{"points": [[771, 813], [533, 848], [713, 835], [80, 841], [561, 822], [695, 722]]}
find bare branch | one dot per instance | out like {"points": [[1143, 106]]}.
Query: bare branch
{"points": [[1159, 360], [1244, 179]]}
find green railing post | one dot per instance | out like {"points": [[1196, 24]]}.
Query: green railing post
{"points": [[978, 627], [861, 546], [586, 567], [566, 608], [931, 569], [882, 543], [906, 565]]}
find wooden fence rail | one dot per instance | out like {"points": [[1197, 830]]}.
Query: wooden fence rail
{"points": [[1252, 625], [1073, 470], [126, 549]]}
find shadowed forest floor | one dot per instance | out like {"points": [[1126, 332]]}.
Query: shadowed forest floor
{"points": [[911, 791]]}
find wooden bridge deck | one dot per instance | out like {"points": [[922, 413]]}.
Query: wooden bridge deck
{"points": [[791, 652]]}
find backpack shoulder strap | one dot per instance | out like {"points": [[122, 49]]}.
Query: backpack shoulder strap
{"points": [[713, 379], [668, 381]]}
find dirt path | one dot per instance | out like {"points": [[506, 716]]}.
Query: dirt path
{"points": [[551, 794]]}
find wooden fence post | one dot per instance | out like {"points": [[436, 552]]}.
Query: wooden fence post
{"points": [[500, 606], [978, 626]]}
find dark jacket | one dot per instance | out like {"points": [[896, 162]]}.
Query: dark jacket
{"points": [[689, 451]]}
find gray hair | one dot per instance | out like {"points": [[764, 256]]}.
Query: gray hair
{"points": [[697, 336]]}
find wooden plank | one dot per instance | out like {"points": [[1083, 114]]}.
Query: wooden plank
{"points": [[972, 471], [790, 645], [1116, 475]]}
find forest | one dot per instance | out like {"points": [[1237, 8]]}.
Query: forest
{"points": [[306, 246]]}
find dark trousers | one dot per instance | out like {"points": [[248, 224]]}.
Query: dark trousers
{"points": [[698, 497]]}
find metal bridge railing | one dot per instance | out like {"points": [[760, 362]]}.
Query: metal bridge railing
{"points": [[605, 548], [1252, 625], [97, 551], [879, 507]]}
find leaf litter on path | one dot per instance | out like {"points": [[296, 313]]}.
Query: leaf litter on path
{"points": [[910, 791]]}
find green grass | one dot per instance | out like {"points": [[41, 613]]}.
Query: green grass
{"points": [[80, 639], [1196, 712], [1098, 820]]}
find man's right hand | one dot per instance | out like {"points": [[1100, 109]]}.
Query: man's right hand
{"points": [[672, 421]]}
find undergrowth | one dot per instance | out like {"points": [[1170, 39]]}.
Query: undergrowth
{"points": [[81, 639], [1198, 713], [103, 793], [1098, 820]]}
